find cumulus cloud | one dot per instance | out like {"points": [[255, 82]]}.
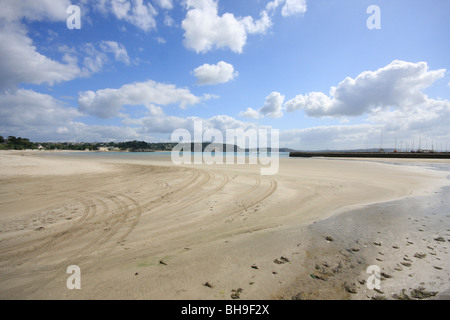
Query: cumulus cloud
{"points": [[394, 101], [139, 13], [94, 133], [80, 132], [159, 124], [431, 118], [167, 124], [312, 102], [273, 5], [107, 103], [332, 137], [21, 62], [250, 113], [34, 10], [290, 7], [204, 29], [224, 122], [155, 110], [399, 84], [41, 117], [430, 122], [30, 112], [272, 108], [221, 72]]}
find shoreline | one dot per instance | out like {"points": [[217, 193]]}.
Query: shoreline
{"points": [[163, 231]]}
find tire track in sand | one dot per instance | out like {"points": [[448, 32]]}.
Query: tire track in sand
{"points": [[24, 252], [247, 202], [86, 256], [116, 220]]}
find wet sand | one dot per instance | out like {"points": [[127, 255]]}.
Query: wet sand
{"points": [[142, 228], [407, 239]]}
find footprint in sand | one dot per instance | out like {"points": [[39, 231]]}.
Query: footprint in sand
{"points": [[406, 264], [281, 260]]}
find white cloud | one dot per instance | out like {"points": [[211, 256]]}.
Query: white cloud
{"points": [[120, 8], [80, 132], [93, 59], [259, 26], [250, 113], [165, 4], [160, 40], [167, 124], [41, 117], [160, 124], [312, 102], [291, 7], [332, 137], [431, 118], [168, 21], [395, 104], [21, 62], [107, 103], [136, 12], [205, 29], [224, 122], [209, 96], [272, 108], [273, 105], [400, 85], [273, 5], [34, 10], [155, 110], [95, 133], [221, 72], [119, 51], [430, 123], [23, 110]]}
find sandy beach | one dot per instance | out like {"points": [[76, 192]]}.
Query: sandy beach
{"points": [[140, 227]]}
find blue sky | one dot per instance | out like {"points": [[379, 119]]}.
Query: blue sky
{"points": [[140, 69]]}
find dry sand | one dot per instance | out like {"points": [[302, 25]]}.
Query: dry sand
{"points": [[142, 228]]}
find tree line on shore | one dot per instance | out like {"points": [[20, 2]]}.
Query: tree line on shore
{"points": [[13, 143]]}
